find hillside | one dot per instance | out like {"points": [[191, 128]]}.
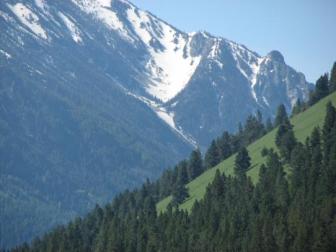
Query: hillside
{"points": [[277, 213], [303, 124]]}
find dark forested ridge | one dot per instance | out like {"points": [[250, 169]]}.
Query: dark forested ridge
{"points": [[291, 208]]}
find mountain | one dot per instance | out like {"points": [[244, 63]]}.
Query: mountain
{"points": [[97, 96]]}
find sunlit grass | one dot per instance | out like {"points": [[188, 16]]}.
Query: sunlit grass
{"points": [[303, 123]]}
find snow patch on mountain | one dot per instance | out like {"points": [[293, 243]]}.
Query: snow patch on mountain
{"points": [[105, 3], [74, 30], [215, 51], [41, 4], [171, 65], [141, 24], [171, 70], [255, 71], [29, 19], [101, 10]]}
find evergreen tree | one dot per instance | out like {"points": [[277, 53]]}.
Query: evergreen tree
{"points": [[182, 175], [321, 89], [315, 150], [332, 81], [329, 130], [212, 156], [180, 193], [264, 152], [254, 129], [285, 140], [298, 162], [242, 162], [224, 146], [328, 173], [195, 164], [218, 185], [281, 116]]}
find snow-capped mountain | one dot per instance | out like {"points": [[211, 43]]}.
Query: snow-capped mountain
{"points": [[97, 95]]}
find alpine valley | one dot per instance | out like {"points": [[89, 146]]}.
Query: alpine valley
{"points": [[98, 95]]}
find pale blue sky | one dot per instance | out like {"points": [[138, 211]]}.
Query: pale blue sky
{"points": [[303, 30]]}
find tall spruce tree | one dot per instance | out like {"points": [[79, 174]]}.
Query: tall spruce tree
{"points": [[254, 128], [212, 156], [328, 129], [182, 172], [321, 89], [285, 139], [281, 116], [180, 193], [224, 146], [332, 81], [195, 164], [242, 162]]}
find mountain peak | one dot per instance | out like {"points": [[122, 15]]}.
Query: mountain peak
{"points": [[276, 56]]}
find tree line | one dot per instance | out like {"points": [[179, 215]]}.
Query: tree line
{"points": [[323, 86]]}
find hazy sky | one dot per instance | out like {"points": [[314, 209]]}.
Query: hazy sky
{"points": [[304, 31]]}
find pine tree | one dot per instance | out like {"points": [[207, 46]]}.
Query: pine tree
{"points": [[218, 185], [281, 116], [321, 89], [328, 129], [332, 81], [285, 140], [316, 157], [224, 146], [180, 193], [211, 156], [195, 164], [328, 172], [254, 128], [242, 162], [182, 172]]}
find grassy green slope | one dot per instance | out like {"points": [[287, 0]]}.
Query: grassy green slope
{"points": [[303, 123]]}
